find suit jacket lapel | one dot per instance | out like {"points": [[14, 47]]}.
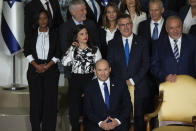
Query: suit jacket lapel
{"points": [[122, 50], [112, 90], [183, 48], [132, 53], [169, 49], [39, 5]]}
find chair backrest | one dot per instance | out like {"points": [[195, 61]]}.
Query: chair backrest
{"points": [[179, 100]]}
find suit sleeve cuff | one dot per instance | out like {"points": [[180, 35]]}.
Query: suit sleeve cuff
{"points": [[55, 60], [30, 58], [99, 123], [118, 121], [132, 82]]}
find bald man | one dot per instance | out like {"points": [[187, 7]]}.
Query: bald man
{"points": [[174, 54], [107, 103]]}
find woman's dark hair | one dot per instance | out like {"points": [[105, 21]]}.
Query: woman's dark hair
{"points": [[76, 30], [35, 24], [106, 23], [138, 8]]}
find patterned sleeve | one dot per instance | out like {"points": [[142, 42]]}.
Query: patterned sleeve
{"points": [[97, 55], [68, 57]]}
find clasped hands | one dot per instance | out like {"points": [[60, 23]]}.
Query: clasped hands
{"points": [[41, 68], [109, 125]]}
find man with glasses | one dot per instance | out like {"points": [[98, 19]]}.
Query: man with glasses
{"points": [[128, 56]]}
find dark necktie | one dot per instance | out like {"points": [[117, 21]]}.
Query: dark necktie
{"points": [[155, 32], [127, 51], [48, 9], [106, 92], [94, 9], [176, 51]]}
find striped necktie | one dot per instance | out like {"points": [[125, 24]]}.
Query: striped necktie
{"points": [[176, 51]]}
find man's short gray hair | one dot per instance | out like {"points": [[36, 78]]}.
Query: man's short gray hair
{"points": [[156, 1], [73, 3]]}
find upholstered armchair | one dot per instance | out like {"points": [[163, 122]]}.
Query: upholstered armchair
{"points": [[177, 105]]}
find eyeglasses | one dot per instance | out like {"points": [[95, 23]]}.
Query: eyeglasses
{"points": [[123, 25]]}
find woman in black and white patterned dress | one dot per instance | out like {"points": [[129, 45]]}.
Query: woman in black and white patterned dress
{"points": [[81, 56]]}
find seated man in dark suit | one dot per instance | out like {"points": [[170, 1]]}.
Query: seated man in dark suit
{"points": [[107, 102], [174, 54]]}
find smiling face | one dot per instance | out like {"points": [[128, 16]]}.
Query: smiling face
{"points": [[111, 14], [43, 20], [102, 70], [79, 12], [174, 28], [125, 26], [82, 36]]}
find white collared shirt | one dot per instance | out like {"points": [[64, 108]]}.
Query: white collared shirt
{"points": [[103, 94], [97, 7], [45, 6], [109, 34], [102, 87], [76, 22], [160, 26], [130, 39], [188, 22], [178, 43], [42, 47]]}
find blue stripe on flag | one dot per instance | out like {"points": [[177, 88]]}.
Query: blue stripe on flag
{"points": [[8, 37], [11, 2]]}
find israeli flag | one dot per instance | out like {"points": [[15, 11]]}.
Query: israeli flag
{"points": [[12, 26]]}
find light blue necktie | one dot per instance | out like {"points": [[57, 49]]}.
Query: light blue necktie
{"points": [[155, 32], [94, 8], [127, 51], [176, 51], [106, 92]]}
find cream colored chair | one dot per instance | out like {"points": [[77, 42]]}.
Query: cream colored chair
{"points": [[131, 91], [177, 103]]}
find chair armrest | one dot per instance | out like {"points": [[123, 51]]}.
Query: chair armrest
{"points": [[194, 122], [149, 116]]}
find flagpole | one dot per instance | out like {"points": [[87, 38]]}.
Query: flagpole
{"points": [[15, 86]]}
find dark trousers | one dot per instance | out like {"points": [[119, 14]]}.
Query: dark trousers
{"points": [[142, 106], [76, 83], [43, 89]]}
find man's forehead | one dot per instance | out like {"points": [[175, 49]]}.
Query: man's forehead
{"points": [[124, 20]]}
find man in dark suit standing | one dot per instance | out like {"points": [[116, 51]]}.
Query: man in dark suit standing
{"points": [[32, 10], [174, 54], [94, 10], [78, 12], [154, 27], [107, 103], [128, 56]]}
